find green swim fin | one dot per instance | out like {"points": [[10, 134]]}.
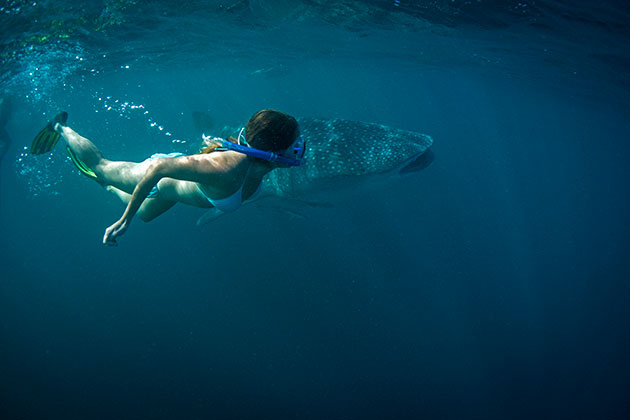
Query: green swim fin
{"points": [[81, 166], [46, 139]]}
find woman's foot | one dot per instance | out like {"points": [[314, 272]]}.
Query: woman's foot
{"points": [[59, 121]]}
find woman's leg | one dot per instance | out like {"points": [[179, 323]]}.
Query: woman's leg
{"points": [[120, 178], [122, 175]]}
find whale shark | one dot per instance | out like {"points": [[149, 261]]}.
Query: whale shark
{"points": [[342, 154]]}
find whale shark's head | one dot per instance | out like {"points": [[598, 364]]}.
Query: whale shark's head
{"points": [[340, 150], [417, 163]]}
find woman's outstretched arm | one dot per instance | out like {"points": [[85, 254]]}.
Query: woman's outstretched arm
{"points": [[196, 168]]}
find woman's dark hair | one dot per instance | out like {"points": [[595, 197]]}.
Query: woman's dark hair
{"points": [[271, 131], [268, 130]]}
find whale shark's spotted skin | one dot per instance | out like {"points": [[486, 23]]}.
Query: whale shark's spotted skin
{"points": [[342, 149]]}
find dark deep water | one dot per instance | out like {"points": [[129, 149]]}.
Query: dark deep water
{"points": [[491, 285]]}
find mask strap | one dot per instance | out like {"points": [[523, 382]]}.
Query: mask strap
{"points": [[240, 134]]}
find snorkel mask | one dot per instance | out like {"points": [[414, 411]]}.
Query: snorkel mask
{"points": [[242, 147]]}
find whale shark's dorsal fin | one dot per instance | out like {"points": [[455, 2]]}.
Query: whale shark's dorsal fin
{"points": [[203, 122]]}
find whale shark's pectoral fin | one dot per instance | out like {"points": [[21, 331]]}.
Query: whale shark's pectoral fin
{"points": [[293, 214], [209, 216], [309, 203], [292, 207]]}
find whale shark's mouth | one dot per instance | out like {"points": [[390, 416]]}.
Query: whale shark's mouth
{"points": [[418, 164]]}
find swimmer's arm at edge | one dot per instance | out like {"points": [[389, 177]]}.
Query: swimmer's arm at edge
{"points": [[195, 168]]}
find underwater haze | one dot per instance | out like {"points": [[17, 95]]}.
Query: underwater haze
{"points": [[490, 284]]}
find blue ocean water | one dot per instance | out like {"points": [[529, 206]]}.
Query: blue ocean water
{"points": [[490, 285]]}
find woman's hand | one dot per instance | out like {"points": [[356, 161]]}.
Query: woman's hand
{"points": [[114, 231]]}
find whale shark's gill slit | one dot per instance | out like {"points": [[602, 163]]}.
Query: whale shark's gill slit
{"points": [[419, 163]]}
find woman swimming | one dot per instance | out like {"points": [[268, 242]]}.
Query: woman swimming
{"points": [[222, 175]]}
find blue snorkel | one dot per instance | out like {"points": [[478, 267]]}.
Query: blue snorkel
{"points": [[223, 144]]}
